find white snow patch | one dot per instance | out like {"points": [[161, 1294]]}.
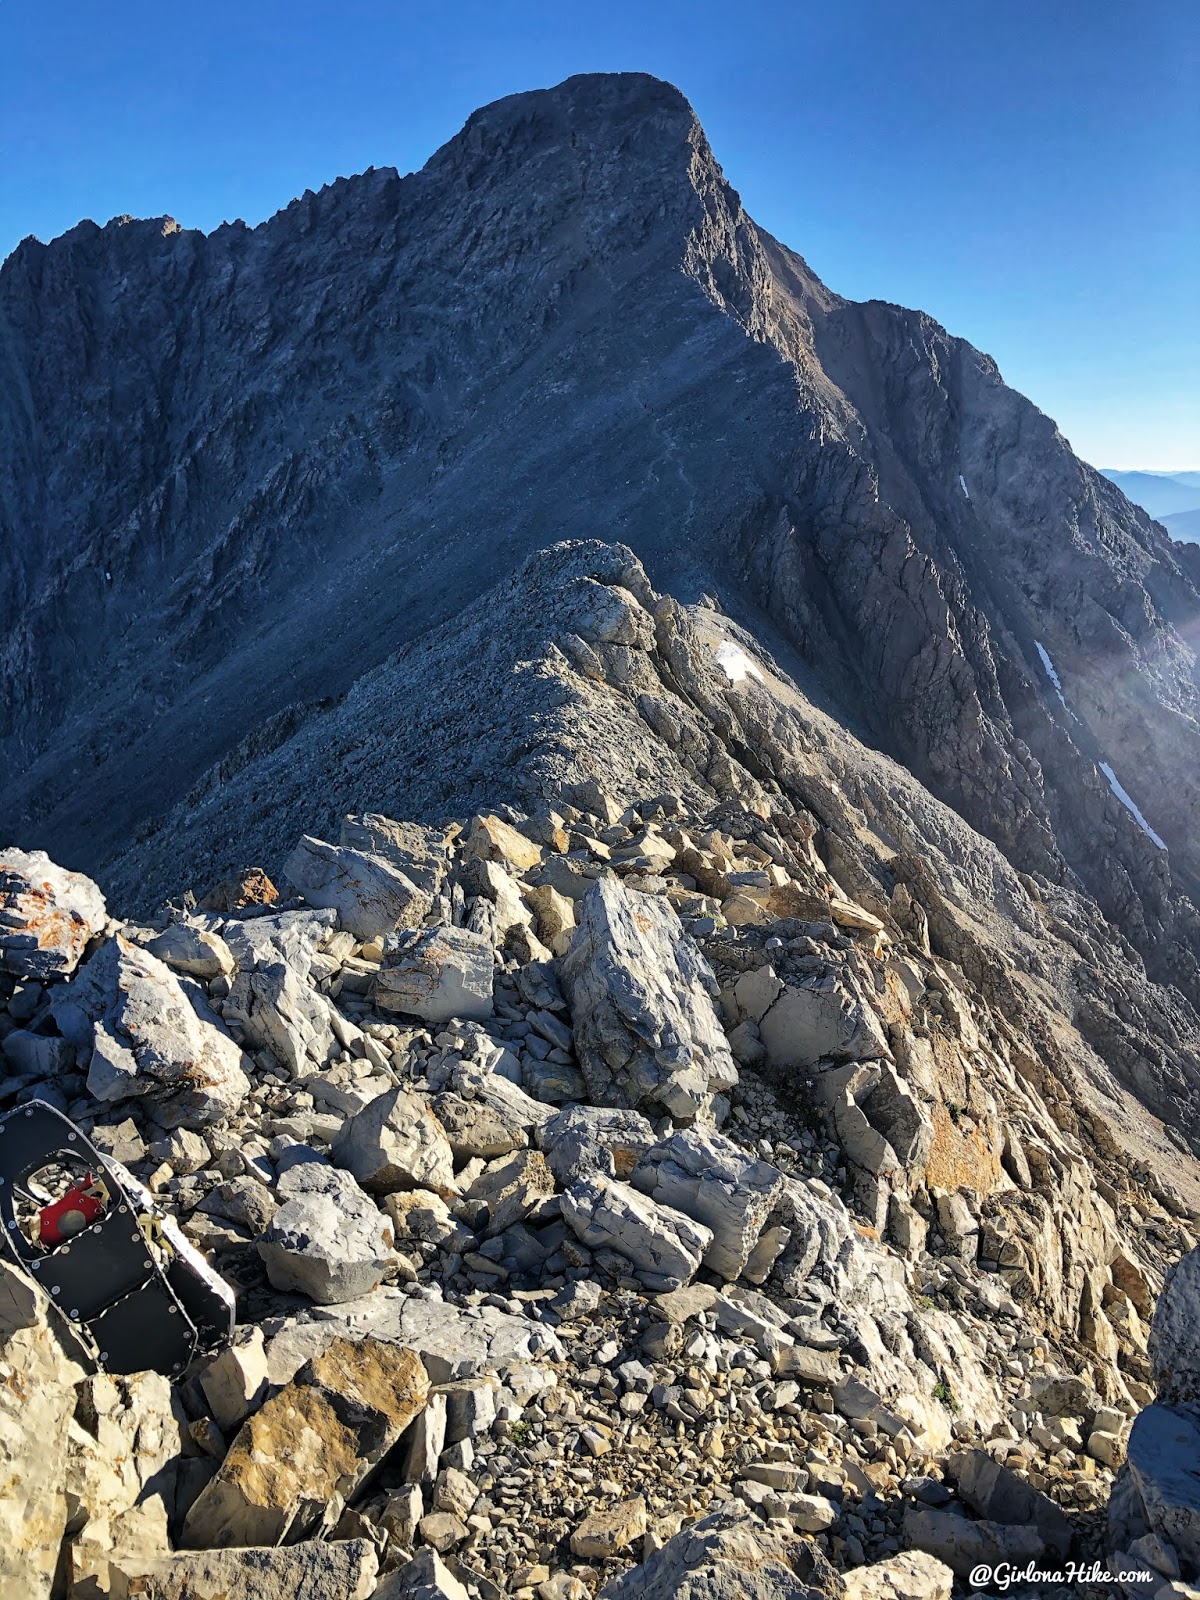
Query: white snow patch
{"points": [[1050, 672], [1129, 805], [735, 663], [963, 485]]}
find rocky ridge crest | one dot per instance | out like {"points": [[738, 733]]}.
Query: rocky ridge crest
{"points": [[700, 1167]]}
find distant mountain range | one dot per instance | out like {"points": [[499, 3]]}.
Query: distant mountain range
{"points": [[1173, 498]]}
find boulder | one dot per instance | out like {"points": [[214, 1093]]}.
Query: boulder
{"points": [[963, 1545], [492, 882], [729, 1555], [124, 1467], [249, 887], [911, 1575], [1174, 1343], [1157, 1492], [437, 974], [994, 1492], [493, 1089], [328, 1240], [474, 1128], [664, 1247], [608, 1140], [146, 1039], [641, 996], [555, 916], [47, 915], [235, 1382], [511, 1187], [713, 1181], [491, 839], [291, 937], [396, 1143], [1162, 1479], [421, 853], [456, 1343], [372, 896], [313, 1570], [37, 1055], [822, 1017], [199, 952], [304, 1452], [277, 1010]]}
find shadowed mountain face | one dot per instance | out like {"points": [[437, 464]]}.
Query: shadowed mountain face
{"points": [[239, 471]]}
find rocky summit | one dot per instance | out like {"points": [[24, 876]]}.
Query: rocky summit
{"points": [[609, 833]]}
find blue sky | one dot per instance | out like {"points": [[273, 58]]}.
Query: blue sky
{"points": [[1026, 171]]}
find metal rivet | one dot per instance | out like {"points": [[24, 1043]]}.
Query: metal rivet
{"points": [[71, 1137], [147, 1263], [172, 1309], [74, 1314], [57, 1289]]}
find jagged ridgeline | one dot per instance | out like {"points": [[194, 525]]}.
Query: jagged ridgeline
{"points": [[638, 904]]}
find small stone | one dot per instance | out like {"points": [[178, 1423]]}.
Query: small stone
{"points": [[606, 1533]]}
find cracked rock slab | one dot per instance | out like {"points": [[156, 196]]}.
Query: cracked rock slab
{"points": [[641, 995], [437, 974], [713, 1181], [310, 1444], [664, 1247], [313, 1570]]}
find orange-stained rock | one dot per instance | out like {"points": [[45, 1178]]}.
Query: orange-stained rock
{"points": [[309, 1446]]}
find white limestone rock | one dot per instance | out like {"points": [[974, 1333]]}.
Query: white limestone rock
{"points": [[609, 1140], [664, 1247], [328, 1239], [454, 1342], [146, 1039], [910, 1575], [396, 1143], [1174, 1342], [199, 952], [37, 1405], [641, 994], [277, 1010], [420, 852], [713, 1181], [437, 974], [425, 1577], [728, 1555], [372, 896], [822, 1017]]}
